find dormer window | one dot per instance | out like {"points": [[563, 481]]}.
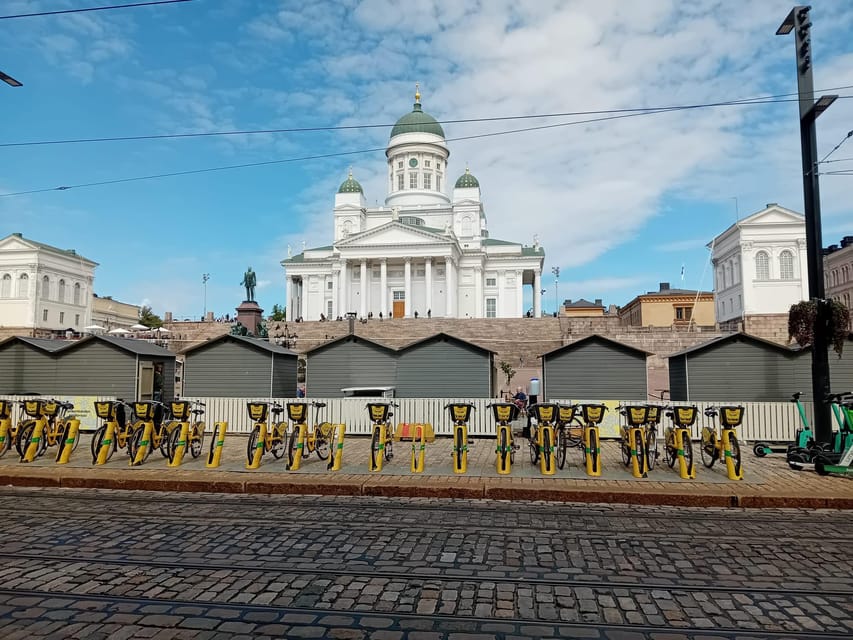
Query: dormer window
{"points": [[427, 164]]}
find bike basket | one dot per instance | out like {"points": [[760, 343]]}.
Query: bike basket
{"points": [[33, 408], [731, 416], [565, 413], [144, 410], [5, 409], [378, 411], [49, 408], [543, 412], [505, 411], [654, 414], [297, 411], [258, 411], [180, 409], [593, 413], [460, 412], [684, 416], [104, 409], [637, 415]]}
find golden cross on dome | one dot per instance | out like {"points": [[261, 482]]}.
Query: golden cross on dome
{"points": [[417, 92]]}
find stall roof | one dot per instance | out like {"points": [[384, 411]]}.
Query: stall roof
{"points": [[45, 344], [734, 337], [595, 338], [450, 338], [255, 343], [130, 345], [350, 338]]}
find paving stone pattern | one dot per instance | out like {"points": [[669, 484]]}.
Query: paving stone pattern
{"points": [[98, 564]]}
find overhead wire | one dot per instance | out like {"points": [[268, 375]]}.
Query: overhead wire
{"points": [[836, 147], [88, 9]]}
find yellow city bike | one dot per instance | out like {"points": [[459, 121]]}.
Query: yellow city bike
{"points": [[8, 432], [725, 445], [304, 439], [49, 427], [592, 415], [187, 414], [115, 431], [152, 434], [633, 439], [460, 414], [677, 440], [543, 445], [505, 413], [651, 429], [265, 437], [381, 435], [569, 432]]}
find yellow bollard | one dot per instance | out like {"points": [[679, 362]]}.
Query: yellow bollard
{"points": [[687, 470], [639, 461], [181, 447], [418, 448], [66, 445], [302, 430], [338, 445], [5, 430], [144, 443], [592, 449], [259, 448], [734, 472], [106, 443], [547, 457], [218, 439], [377, 454], [504, 449], [33, 446], [460, 448]]}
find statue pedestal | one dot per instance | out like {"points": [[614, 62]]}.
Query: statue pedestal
{"points": [[249, 314]]}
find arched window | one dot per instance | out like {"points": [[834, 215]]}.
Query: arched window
{"points": [[727, 275], [6, 286], [60, 295], [76, 293], [346, 228], [762, 266], [45, 288], [786, 265], [467, 227], [736, 271], [23, 286]]}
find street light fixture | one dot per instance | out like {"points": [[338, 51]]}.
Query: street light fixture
{"points": [[204, 278], [798, 22], [556, 272], [10, 80]]}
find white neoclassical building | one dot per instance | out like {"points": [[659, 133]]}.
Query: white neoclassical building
{"points": [[422, 252], [760, 265], [43, 290]]}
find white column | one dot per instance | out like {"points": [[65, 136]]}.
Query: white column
{"points": [[383, 287], [519, 295], [448, 286], [501, 294], [479, 311], [288, 296], [335, 310], [428, 281], [304, 311], [407, 286], [537, 295], [343, 291], [363, 286]]}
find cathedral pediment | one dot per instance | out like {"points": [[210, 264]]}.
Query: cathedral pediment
{"points": [[773, 215], [395, 233]]}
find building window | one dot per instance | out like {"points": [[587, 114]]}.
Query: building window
{"points": [[329, 310], [491, 282], [76, 319], [426, 164], [44, 315], [6, 286], [786, 265], [683, 313], [438, 165], [762, 266], [467, 226], [736, 271], [427, 181], [76, 293], [739, 302], [491, 307], [60, 295], [438, 182], [413, 181], [61, 317], [23, 286], [45, 288], [399, 182], [329, 285], [399, 295], [400, 164]]}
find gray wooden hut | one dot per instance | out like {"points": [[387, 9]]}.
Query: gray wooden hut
{"points": [[443, 366], [738, 368], [239, 367], [121, 367], [595, 368], [840, 370], [28, 365], [349, 362]]}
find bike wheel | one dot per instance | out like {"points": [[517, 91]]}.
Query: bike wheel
{"points": [[709, 447], [669, 449], [135, 443], [323, 442], [562, 446], [625, 448], [651, 448], [389, 448], [25, 435], [165, 433], [687, 445], [252, 444], [734, 445], [640, 444], [503, 447], [196, 442], [172, 445], [547, 446], [292, 447], [374, 448], [593, 448]]}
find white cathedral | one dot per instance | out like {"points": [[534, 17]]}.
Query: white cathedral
{"points": [[423, 253]]}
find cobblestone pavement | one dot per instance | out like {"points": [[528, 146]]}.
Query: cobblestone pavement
{"points": [[112, 564]]}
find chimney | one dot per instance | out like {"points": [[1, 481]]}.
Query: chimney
{"points": [[598, 302], [567, 302], [846, 241], [772, 204], [664, 286]]}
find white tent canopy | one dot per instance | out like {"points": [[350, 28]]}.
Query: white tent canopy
{"points": [[118, 330], [139, 327]]}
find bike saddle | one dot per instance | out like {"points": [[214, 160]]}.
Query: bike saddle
{"points": [[319, 405], [276, 408], [198, 411]]}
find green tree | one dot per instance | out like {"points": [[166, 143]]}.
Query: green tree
{"points": [[508, 371], [149, 318], [278, 313]]}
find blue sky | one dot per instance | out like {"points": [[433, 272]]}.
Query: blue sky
{"points": [[619, 206]]}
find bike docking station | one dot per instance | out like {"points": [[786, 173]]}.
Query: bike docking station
{"points": [[320, 439], [151, 418], [725, 445], [682, 418], [297, 413], [381, 445], [217, 440], [420, 434], [460, 415], [505, 413], [258, 412], [633, 442], [337, 458], [5, 423], [48, 427], [69, 436], [592, 415], [181, 413], [545, 414]]}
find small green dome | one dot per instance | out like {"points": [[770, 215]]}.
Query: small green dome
{"points": [[466, 180], [417, 122], [350, 185]]}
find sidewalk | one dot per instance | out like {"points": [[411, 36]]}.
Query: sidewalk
{"points": [[768, 481]]}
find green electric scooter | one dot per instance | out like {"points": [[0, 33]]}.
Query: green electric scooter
{"points": [[802, 441], [840, 459]]}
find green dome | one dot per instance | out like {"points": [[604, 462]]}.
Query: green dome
{"points": [[350, 185], [417, 122], [466, 181]]}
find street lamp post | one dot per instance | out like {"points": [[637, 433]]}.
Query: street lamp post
{"points": [[798, 22], [556, 272], [204, 278]]}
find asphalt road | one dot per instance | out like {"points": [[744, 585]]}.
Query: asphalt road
{"points": [[111, 564]]}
